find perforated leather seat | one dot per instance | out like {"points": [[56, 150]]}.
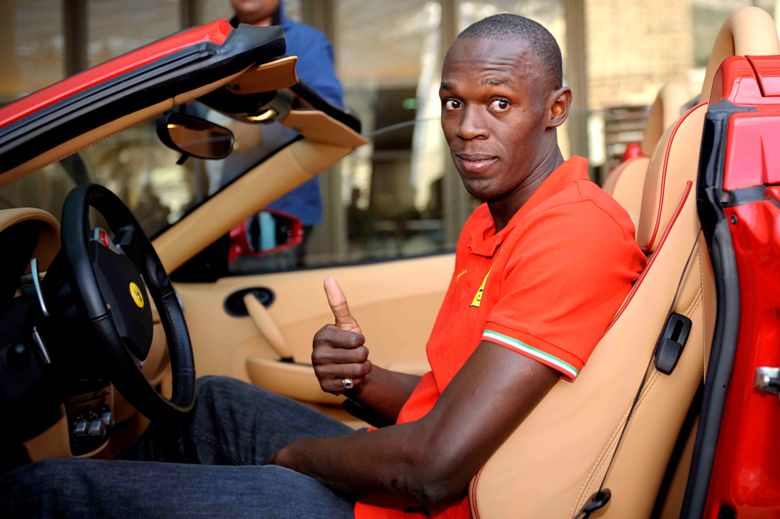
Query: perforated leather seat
{"points": [[561, 453]]}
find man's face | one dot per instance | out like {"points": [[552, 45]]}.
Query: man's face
{"points": [[494, 99], [254, 11]]}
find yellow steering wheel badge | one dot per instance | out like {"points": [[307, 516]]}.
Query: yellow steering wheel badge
{"points": [[137, 295]]}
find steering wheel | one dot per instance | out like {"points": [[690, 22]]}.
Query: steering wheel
{"points": [[109, 281]]}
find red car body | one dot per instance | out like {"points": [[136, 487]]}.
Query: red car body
{"points": [[742, 169]]}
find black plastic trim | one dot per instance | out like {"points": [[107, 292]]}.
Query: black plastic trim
{"points": [[671, 342], [306, 93], [746, 195], [162, 79], [234, 303], [716, 230]]}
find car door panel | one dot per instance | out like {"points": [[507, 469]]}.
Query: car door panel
{"points": [[395, 303]]}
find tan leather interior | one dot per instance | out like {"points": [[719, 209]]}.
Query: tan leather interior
{"points": [[660, 193], [664, 112], [380, 296], [318, 127], [575, 438], [625, 184], [266, 77], [48, 230]]}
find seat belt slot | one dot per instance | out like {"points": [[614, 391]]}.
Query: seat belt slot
{"points": [[597, 501], [671, 343]]}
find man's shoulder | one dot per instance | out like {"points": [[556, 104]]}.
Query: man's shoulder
{"points": [[300, 33], [583, 201]]}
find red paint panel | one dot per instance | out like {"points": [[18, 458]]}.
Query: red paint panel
{"points": [[767, 69], [746, 475], [754, 143], [215, 32], [735, 81]]}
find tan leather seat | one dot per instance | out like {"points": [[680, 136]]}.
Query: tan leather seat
{"points": [[560, 454], [626, 181]]}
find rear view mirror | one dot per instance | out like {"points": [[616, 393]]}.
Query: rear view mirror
{"points": [[194, 136]]}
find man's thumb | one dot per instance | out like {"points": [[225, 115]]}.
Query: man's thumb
{"points": [[338, 305]]}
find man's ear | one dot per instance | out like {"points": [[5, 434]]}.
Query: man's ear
{"points": [[559, 103]]}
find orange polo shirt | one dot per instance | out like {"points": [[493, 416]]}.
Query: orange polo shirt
{"points": [[545, 286]]}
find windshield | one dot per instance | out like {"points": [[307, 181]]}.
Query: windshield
{"points": [[144, 173]]}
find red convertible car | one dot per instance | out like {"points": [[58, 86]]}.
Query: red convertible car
{"points": [[110, 300]]}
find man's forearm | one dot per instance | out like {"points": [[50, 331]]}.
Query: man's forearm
{"points": [[387, 467], [385, 391], [430, 462]]}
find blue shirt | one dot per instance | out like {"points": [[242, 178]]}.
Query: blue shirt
{"points": [[315, 68]]}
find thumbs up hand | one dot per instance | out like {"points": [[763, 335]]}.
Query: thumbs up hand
{"points": [[338, 305], [339, 356]]}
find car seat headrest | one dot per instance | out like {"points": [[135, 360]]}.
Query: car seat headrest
{"points": [[749, 31], [675, 160], [665, 110], [674, 163]]}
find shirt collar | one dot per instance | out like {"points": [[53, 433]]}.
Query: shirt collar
{"points": [[484, 238]]}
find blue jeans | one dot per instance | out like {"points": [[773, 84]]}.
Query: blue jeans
{"points": [[212, 465]]}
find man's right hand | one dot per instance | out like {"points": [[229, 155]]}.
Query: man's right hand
{"points": [[338, 351]]}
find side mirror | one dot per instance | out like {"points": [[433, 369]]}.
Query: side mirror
{"points": [[194, 136], [265, 233]]}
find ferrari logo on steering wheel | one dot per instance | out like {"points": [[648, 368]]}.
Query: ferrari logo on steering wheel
{"points": [[138, 297]]}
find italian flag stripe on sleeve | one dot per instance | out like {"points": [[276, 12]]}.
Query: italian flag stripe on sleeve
{"points": [[532, 352]]}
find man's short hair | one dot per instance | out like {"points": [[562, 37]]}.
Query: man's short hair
{"points": [[514, 27]]}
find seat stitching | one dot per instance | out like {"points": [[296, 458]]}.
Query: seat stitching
{"points": [[599, 461], [667, 155], [651, 258], [623, 424], [604, 455]]}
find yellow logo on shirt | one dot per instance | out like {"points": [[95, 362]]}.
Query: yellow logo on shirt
{"points": [[478, 296]]}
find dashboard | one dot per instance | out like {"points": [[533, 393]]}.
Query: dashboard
{"points": [[55, 400]]}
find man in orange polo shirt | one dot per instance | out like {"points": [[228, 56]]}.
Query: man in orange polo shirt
{"points": [[540, 269]]}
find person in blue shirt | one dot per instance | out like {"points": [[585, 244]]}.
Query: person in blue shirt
{"points": [[315, 69]]}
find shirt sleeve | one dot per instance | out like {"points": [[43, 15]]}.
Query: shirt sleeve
{"points": [[568, 272]]}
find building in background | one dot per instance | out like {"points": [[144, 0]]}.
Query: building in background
{"points": [[398, 196]]}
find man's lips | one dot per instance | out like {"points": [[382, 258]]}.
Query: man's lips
{"points": [[476, 162]]}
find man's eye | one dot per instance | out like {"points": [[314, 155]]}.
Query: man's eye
{"points": [[452, 104], [499, 105]]}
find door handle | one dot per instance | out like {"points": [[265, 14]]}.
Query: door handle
{"points": [[267, 327]]}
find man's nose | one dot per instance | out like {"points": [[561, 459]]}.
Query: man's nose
{"points": [[472, 124]]}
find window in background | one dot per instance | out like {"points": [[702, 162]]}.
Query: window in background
{"points": [[31, 43], [707, 18], [388, 60], [115, 27]]}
